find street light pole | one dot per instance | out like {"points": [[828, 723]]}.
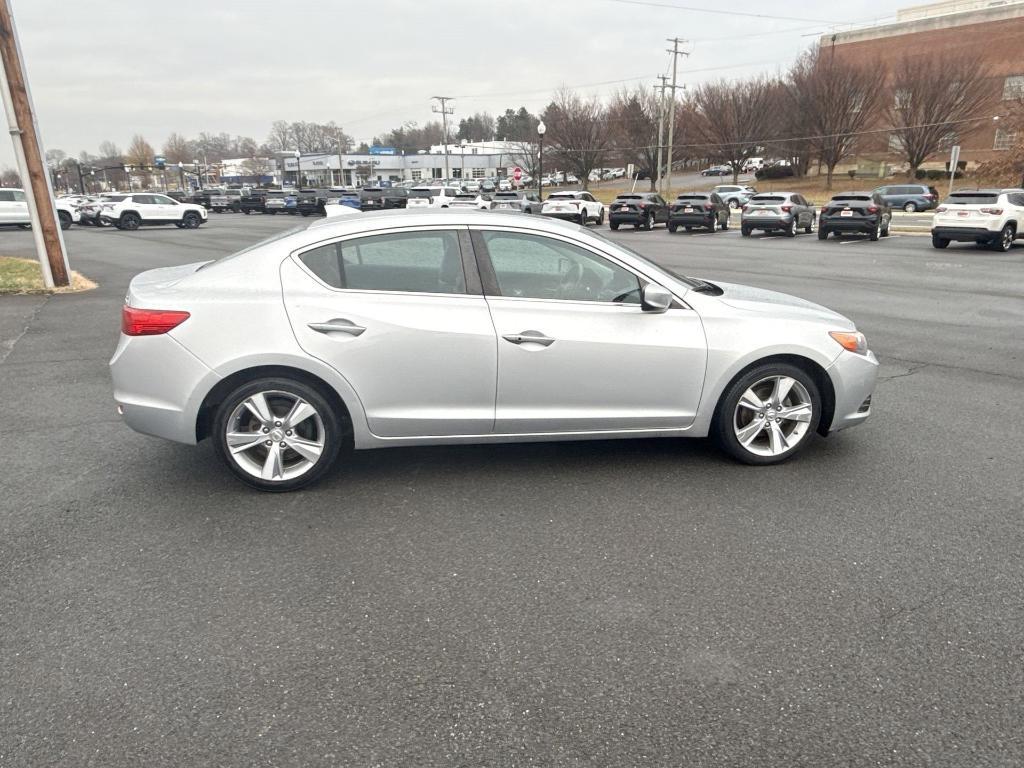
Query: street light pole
{"points": [[541, 130], [298, 170]]}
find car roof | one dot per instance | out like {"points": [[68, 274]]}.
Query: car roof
{"points": [[843, 194], [380, 220], [775, 194]]}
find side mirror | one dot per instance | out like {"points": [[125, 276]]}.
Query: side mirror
{"points": [[655, 299]]}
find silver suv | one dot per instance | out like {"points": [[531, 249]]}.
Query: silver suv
{"points": [[734, 195], [783, 211]]}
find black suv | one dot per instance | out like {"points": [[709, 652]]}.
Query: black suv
{"points": [[910, 197], [698, 209], [641, 209], [383, 198], [863, 212]]}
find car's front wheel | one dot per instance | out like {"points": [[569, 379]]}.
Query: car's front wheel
{"points": [[129, 221], [939, 242], [768, 414], [277, 434], [191, 220], [65, 219]]}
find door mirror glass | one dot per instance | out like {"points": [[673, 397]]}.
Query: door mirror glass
{"points": [[655, 298]]}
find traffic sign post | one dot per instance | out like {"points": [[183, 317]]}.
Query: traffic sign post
{"points": [[517, 174], [954, 158]]}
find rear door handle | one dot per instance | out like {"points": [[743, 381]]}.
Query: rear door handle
{"points": [[340, 326], [529, 337]]}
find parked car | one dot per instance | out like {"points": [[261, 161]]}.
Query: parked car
{"points": [[735, 195], [753, 164], [471, 200], [578, 206], [203, 196], [784, 212], [522, 201], [641, 209], [89, 211], [431, 197], [698, 209], [992, 217], [471, 185], [14, 207], [383, 198], [226, 200], [350, 198], [910, 197], [253, 201], [145, 209], [488, 187], [383, 331], [504, 185], [856, 212], [717, 170]]}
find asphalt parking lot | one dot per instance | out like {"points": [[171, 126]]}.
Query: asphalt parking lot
{"points": [[620, 603]]}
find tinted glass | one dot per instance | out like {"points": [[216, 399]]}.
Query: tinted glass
{"points": [[537, 267], [162, 200], [630, 197], [6, 196], [692, 198], [843, 198], [768, 199], [417, 262], [143, 199], [973, 198], [420, 193]]}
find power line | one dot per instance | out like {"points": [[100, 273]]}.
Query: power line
{"points": [[700, 9]]}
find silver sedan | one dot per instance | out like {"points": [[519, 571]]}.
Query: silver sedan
{"points": [[442, 327]]}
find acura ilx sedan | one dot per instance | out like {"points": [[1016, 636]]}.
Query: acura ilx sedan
{"points": [[444, 326]]}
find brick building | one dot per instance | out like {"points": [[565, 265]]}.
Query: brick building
{"points": [[992, 30]]}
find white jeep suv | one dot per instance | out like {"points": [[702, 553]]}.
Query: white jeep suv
{"points": [[145, 208], [993, 217], [580, 207]]}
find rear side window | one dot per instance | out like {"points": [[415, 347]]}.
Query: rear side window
{"points": [[413, 262], [973, 198]]}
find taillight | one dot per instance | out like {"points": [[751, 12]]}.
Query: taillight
{"points": [[787, 208], [150, 322], [708, 207], [824, 209], [872, 209], [642, 205], [993, 211], [929, 197], [744, 208]]}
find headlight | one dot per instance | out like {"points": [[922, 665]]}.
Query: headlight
{"points": [[851, 341]]}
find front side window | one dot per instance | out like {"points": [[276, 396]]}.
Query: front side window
{"points": [[413, 262], [143, 199], [162, 200], [538, 267]]}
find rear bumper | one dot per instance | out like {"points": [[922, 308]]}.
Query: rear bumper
{"points": [[159, 385], [836, 224], [853, 379], [565, 216], [965, 234], [691, 219], [766, 223], [627, 218]]}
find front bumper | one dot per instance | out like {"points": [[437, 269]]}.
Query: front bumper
{"points": [[853, 379], [965, 234]]}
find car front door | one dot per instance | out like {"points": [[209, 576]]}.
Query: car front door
{"points": [[166, 208], [576, 351], [399, 316]]}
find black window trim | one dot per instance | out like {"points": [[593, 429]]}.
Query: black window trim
{"points": [[470, 276]]}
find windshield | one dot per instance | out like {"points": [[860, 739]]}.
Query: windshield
{"points": [[420, 193], [640, 257], [972, 198], [507, 195]]}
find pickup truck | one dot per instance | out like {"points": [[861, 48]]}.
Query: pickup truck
{"points": [[311, 202], [254, 202], [228, 200]]}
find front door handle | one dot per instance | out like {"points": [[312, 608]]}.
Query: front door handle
{"points": [[529, 337], [340, 326]]}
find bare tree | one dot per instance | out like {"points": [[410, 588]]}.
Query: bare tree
{"points": [[178, 149], [109, 149], [140, 153], [257, 167], [633, 120], [938, 97], [734, 119], [839, 100], [793, 126], [10, 178], [577, 133]]}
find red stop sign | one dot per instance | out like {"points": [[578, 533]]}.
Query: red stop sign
{"points": [[517, 174]]}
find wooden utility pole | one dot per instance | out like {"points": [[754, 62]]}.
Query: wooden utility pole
{"points": [[444, 111], [672, 104], [29, 155], [661, 131]]}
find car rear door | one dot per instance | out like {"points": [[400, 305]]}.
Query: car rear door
{"points": [[576, 352], [400, 316]]}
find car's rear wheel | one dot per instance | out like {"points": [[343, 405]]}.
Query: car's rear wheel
{"points": [[277, 434], [822, 233], [65, 219], [648, 222], [191, 220], [745, 230], [876, 232], [939, 242], [768, 414], [583, 217], [613, 225], [810, 227], [672, 227], [910, 207], [600, 217], [129, 221], [790, 230], [1005, 240], [734, 204]]}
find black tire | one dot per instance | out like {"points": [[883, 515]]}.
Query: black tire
{"points": [[24, 226], [583, 218], [272, 213], [130, 221], [939, 242], [725, 224], [672, 227], [600, 217], [334, 423], [910, 207], [722, 428], [745, 230], [885, 229], [734, 204], [65, 219], [191, 220], [810, 227], [790, 230], [822, 233], [1004, 242], [613, 225], [647, 225], [179, 224], [246, 211], [713, 226], [876, 232], [688, 229]]}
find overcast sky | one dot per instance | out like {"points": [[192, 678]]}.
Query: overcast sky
{"points": [[113, 69]]}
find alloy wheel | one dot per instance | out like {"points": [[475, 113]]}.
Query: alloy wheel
{"points": [[275, 435], [772, 416]]}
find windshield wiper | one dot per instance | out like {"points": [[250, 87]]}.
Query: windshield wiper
{"points": [[703, 286]]}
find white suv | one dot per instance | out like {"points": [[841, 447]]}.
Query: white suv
{"points": [[14, 209], [145, 208], [580, 207], [993, 217], [431, 197]]}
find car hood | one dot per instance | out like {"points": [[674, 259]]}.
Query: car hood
{"points": [[748, 298]]}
